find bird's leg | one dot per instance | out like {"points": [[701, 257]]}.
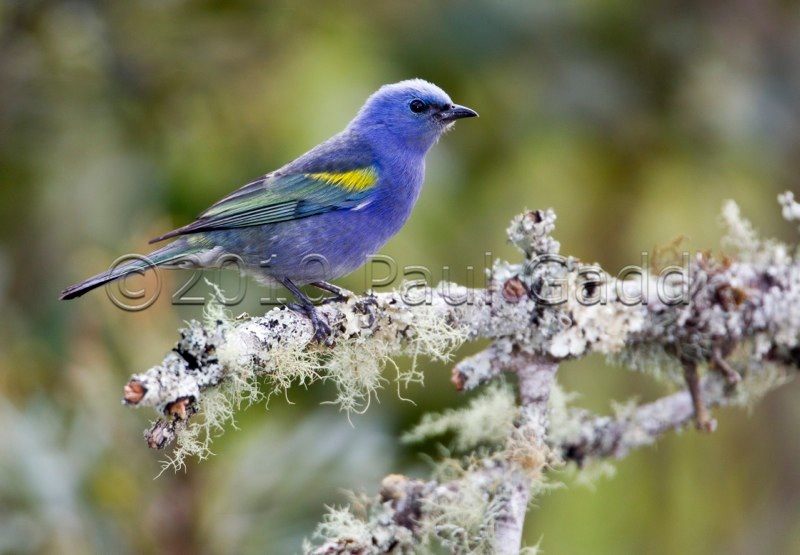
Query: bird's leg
{"points": [[322, 331], [339, 294]]}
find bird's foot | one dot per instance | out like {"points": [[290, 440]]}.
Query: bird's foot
{"points": [[365, 306], [322, 331]]}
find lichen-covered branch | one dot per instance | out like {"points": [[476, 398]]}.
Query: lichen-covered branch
{"points": [[729, 327], [536, 376], [596, 437]]}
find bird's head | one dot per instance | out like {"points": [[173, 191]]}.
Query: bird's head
{"points": [[410, 114]]}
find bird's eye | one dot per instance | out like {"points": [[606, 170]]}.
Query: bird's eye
{"points": [[417, 106]]}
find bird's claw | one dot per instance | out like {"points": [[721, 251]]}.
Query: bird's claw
{"points": [[364, 302], [322, 331]]}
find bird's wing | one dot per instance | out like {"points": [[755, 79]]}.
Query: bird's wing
{"points": [[288, 194]]}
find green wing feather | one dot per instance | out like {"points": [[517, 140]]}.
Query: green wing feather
{"points": [[280, 196]]}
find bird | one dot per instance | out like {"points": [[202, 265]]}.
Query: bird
{"points": [[320, 216]]}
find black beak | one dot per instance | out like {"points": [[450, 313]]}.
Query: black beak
{"points": [[455, 112]]}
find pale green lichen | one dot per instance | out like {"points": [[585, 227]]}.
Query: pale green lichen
{"points": [[486, 420], [649, 358], [790, 208], [531, 232], [563, 425], [341, 523], [358, 362], [527, 452], [742, 237], [532, 549], [462, 521], [760, 378], [740, 232], [217, 408], [591, 472], [217, 405], [462, 518], [356, 365], [356, 369]]}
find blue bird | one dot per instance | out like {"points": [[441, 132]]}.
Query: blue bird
{"points": [[318, 217]]}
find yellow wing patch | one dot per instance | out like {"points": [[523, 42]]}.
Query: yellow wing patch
{"points": [[353, 180]]}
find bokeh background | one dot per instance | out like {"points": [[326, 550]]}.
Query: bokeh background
{"points": [[121, 120]]}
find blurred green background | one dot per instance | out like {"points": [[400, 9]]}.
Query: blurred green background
{"points": [[119, 121]]}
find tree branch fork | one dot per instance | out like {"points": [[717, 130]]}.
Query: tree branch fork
{"points": [[729, 327]]}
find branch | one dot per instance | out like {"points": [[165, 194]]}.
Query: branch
{"points": [[536, 378], [735, 317], [599, 437]]}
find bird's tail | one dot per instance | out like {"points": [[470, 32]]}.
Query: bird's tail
{"points": [[171, 254]]}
